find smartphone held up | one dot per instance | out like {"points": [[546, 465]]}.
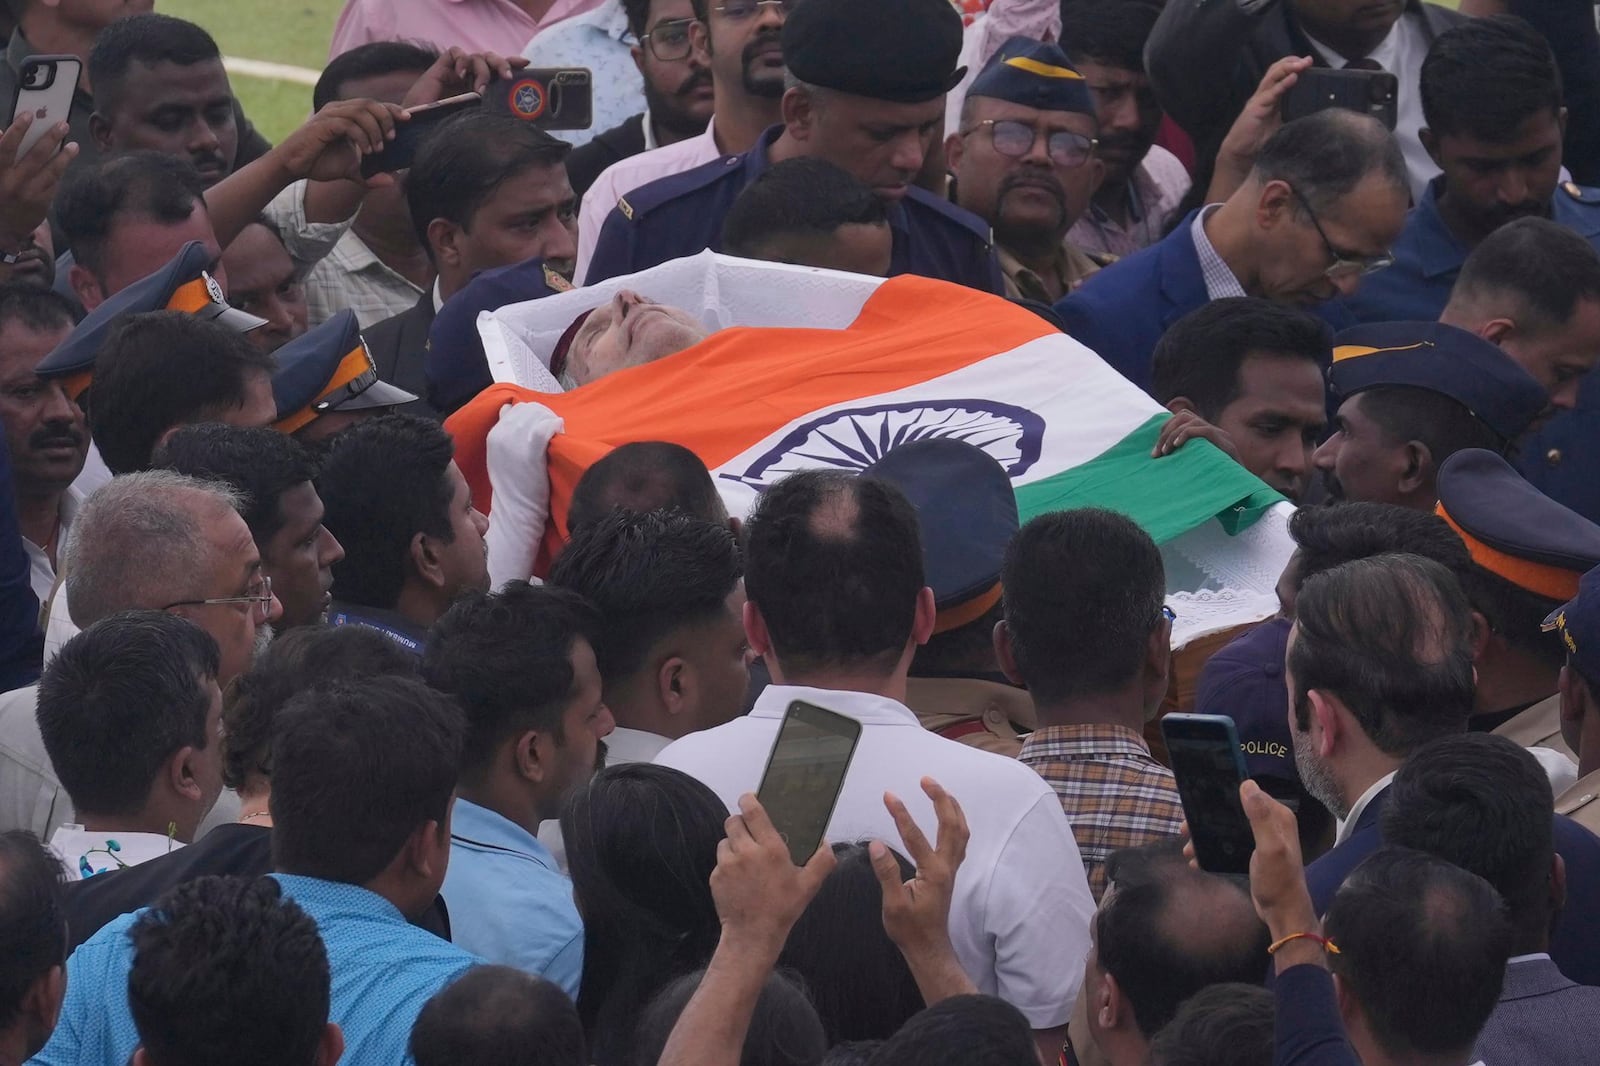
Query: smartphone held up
{"points": [[805, 774], [1209, 767]]}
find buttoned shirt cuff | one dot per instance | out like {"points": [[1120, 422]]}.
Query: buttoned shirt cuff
{"points": [[307, 242]]}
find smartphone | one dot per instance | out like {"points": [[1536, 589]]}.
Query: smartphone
{"points": [[1373, 92], [45, 86], [399, 153], [805, 774], [1209, 765], [552, 99]]}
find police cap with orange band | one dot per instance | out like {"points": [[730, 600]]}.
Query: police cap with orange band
{"points": [[1513, 530], [967, 513], [182, 285], [1443, 359], [329, 369]]}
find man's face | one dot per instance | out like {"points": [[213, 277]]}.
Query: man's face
{"points": [[531, 214], [677, 91], [37, 265], [207, 761], [883, 144], [300, 556], [1031, 200], [1361, 462], [746, 53], [1490, 183], [629, 331], [137, 246], [855, 247], [585, 723], [1359, 17], [1558, 358], [717, 650], [262, 280], [232, 568], [466, 558], [1277, 420], [1362, 224], [1128, 113], [45, 430], [259, 408], [185, 111]]}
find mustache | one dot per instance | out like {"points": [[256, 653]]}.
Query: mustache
{"points": [[51, 436], [1035, 179], [699, 79], [758, 44], [209, 159]]}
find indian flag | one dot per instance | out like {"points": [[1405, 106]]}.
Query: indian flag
{"points": [[915, 358]]}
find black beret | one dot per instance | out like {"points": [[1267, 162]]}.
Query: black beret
{"points": [[902, 51]]}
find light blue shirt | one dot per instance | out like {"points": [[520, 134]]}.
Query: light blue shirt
{"points": [[508, 900], [384, 969], [599, 40]]}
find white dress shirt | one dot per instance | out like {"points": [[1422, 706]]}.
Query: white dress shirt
{"points": [[41, 572], [1347, 825], [626, 175], [1020, 915]]}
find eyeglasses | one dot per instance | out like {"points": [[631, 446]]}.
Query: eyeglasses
{"points": [[1016, 139], [669, 41], [262, 599], [739, 10], [1343, 265]]}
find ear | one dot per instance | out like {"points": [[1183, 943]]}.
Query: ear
{"points": [[923, 622], [1274, 204], [799, 113], [86, 285], [100, 132], [1561, 118], [1558, 884], [1417, 470], [675, 685], [638, 58], [1348, 1008], [1179, 404], [1158, 654], [166, 435], [1496, 330], [1482, 634], [140, 1057], [43, 998], [422, 849], [1005, 654], [755, 630], [330, 1046], [954, 148], [1109, 1003], [1430, 144], [180, 774], [444, 237], [1326, 726], [528, 760], [425, 560]]}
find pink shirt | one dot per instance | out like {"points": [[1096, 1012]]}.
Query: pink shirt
{"points": [[477, 25]]}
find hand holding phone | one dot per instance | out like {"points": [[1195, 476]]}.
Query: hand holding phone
{"points": [[1209, 767], [1371, 92], [805, 774], [560, 98], [421, 121], [45, 85]]}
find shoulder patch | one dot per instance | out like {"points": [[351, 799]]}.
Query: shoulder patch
{"points": [[555, 282], [625, 207], [1583, 194], [648, 197]]}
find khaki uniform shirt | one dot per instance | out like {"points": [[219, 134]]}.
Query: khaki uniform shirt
{"points": [[1072, 266], [1538, 727], [1581, 802], [987, 715]]}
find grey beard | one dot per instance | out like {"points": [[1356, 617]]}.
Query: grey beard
{"points": [[264, 637], [1317, 778]]}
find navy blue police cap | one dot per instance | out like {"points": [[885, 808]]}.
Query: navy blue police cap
{"points": [[182, 285], [1033, 74], [902, 51], [1513, 530], [454, 362], [329, 369], [967, 513], [1443, 359], [1578, 622]]}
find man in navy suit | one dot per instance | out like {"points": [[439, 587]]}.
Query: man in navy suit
{"points": [[1327, 197]]}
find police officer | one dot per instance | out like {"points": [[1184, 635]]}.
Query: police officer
{"points": [[327, 380], [870, 99], [454, 362], [1578, 624], [967, 512], [1024, 161]]}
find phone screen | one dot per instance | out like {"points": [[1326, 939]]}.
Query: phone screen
{"points": [[1206, 760], [805, 774]]}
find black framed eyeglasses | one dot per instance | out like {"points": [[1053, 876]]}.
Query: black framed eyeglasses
{"points": [[261, 600], [739, 10], [1016, 139], [670, 41], [1343, 266]]}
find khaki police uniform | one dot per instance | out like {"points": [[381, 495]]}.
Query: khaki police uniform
{"points": [[1538, 727], [984, 714], [1581, 802]]}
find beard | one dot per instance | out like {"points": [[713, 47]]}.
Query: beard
{"points": [[670, 110], [264, 635], [1316, 776], [765, 86], [1030, 236]]}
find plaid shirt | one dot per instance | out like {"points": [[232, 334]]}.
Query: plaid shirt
{"points": [[1113, 792], [1220, 281]]}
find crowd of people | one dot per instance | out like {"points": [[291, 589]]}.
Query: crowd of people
{"points": [[287, 779]]}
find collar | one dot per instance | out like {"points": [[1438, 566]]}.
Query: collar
{"points": [[480, 827], [1574, 207], [864, 707], [625, 745], [438, 300], [391, 624], [1096, 738], [1219, 277], [1538, 956], [1357, 809], [319, 897], [1386, 53], [1438, 250], [649, 132]]}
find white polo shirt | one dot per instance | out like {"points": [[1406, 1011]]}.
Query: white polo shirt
{"points": [[1020, 916]]}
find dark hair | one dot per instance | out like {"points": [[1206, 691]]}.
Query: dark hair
{"points": [[1391, 636], [834, 563], [649, 575], [807, 197], [1146, 938], [498, 1016], [851, 1053], [1330, 536], [33, 918], [859, 981], [147, 40], [1223, 1025], [1422, 948], [1544, 267], [784, 1030], [357, 767], [1325, 155], [165, 369], [371, 60], [261, 463], [227, 970], [506, 658], [962, 1031], [1485, 77], [1482, 802], [1113, 32], [1199, 356], [638, 12], [962, 649], [35, 308], [461, 164], [1083, 592], [383, 481], [1444, 426], [646, 475], [1515, 614], [641, 844], [294, 662], [144, 184], [118, 700]]}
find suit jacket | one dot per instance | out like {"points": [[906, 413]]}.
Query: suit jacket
{"points": [[1542, 1017], [398, 345], [1122, 311], [585, 162]]}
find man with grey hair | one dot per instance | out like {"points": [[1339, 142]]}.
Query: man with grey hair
{"points": [[155, 541]]}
